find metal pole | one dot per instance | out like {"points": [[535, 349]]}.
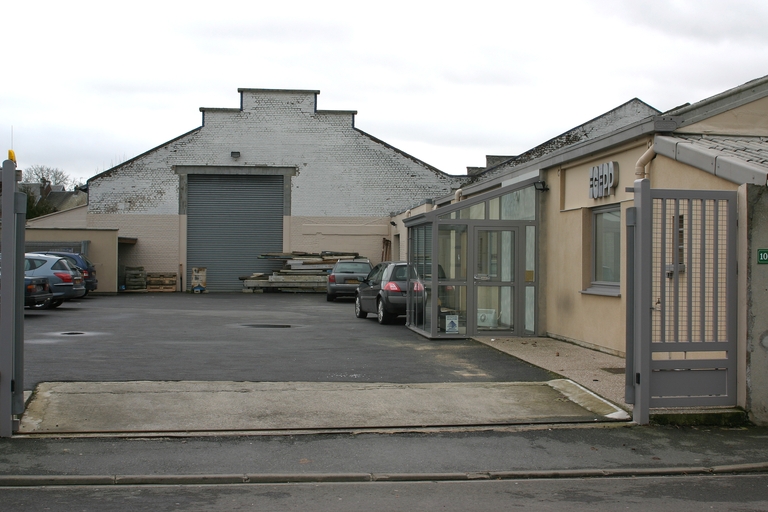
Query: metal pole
{"points": [[629, 371], [18, 336], [9, 282], [643, 301]]}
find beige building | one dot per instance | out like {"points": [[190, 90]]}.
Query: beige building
{"points": [[539, 247]]}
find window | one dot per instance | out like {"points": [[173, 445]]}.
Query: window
{"points": [[606, 251]]}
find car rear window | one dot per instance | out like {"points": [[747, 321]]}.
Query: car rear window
{"points": [[400, 273], [354, 267], [61, 265]]}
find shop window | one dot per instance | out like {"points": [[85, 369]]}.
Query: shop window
{"points": [[606, 251]]}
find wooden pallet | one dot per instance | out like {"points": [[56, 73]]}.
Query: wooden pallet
{"points": [[156, 288]]}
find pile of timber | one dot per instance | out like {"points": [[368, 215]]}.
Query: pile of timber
{"points": [[302, 272]]}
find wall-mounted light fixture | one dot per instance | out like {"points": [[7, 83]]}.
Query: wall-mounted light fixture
{"points": [[393, 223], [541, 186], [235, 154]]}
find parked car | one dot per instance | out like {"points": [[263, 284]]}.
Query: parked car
{"points": [[66, 282], [345, 276], [384, 291], [37, 291], [75, 259]]}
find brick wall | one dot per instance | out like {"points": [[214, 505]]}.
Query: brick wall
{"points": [[341, 172]]}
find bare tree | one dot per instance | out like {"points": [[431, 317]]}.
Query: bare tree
{"points": [[43, 173]]}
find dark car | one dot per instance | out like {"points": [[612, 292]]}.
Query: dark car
{"points": [[80, 261], [384, 291], [344, 278], [37, 291], [66, 282]]}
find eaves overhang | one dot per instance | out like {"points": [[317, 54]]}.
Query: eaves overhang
{"points": [[713, 161]]}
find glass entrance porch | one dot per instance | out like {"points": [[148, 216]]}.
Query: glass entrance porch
{"points": [[475, 266]]}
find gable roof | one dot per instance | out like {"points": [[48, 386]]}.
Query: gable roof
{"points": [[623, 115], [740, 159]]}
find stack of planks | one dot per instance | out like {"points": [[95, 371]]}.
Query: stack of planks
{"points": [[302, 272]]}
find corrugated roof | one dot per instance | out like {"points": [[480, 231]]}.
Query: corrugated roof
{"points": [[749, 149]]}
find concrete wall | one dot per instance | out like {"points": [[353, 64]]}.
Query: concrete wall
{"points": [[756, 321], [363, 235], [72, 218], [345, 185], [102, 250]]}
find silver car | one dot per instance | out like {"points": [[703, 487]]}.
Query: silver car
{"points": [[344, 278], [66, 282]]}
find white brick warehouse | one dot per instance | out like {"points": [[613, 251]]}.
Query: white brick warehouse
{"points": [[340, 184]]}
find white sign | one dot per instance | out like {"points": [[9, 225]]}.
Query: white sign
{"points": [[603, 179], [452, 324]]}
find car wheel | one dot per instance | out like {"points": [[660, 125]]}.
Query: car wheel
{"points": [[55, 303], [330, 297], [359, 313], [382, 316]]}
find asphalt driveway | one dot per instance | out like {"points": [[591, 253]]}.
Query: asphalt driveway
{"points": [[245, 337]]}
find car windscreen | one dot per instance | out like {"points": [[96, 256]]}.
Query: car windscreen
{"points": [[353, 268]]}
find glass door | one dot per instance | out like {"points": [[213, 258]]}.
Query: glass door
{"points": [[495, 280]]}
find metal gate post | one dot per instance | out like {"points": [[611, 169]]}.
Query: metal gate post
{"points": [[629, 350], [11, 336], [643, 301], [20, 214]]}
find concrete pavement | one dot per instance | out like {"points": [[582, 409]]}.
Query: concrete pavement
{"points": [[115, 407], [159, 407], [581, 447]]}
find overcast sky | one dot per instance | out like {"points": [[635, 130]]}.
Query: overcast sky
{"points": [[87, 85]]}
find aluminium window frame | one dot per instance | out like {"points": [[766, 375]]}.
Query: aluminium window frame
{"points": [[605, 288]]}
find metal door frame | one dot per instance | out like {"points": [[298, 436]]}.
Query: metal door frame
{"points": [[517, 283], [703, 291]]}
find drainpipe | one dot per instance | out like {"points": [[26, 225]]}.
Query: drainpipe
{"points": [[649, 154], [457, 196]]}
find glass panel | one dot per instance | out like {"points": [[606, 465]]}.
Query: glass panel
{"points": [[494, 209], [452, 312], [530, 253], [506, 256], [608, 246], [530, 310], [475, 212], [495, 256], [519, 205], [452, 252], [421, 263], [495, 308]]}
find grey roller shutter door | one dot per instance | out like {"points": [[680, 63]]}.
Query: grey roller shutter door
{"points": [[231, 220]]}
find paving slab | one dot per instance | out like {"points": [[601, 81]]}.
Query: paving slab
{"points": [[151, 406]]}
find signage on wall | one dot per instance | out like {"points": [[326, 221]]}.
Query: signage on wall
{"points": [[603, 179], [762, 256]]}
